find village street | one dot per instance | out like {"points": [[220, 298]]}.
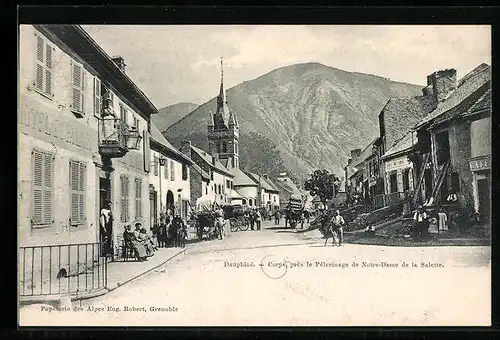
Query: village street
{"points": [[212, 286]]}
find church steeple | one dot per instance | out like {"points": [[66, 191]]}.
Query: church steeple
{"points": [[223, 129]]}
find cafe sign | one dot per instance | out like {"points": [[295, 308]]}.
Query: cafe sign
{"points": [[480, 163]]}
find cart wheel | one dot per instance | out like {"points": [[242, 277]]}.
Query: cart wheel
{"points": [[244, 225], [233, 225]]}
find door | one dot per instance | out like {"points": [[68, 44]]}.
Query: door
{"points": [[105, 234], [483, 190]]}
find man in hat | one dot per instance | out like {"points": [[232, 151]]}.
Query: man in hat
{"points": [[106, 223]]}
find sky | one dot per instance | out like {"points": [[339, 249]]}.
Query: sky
{"points": [[181, 63]]}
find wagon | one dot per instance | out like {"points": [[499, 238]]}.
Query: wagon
{"points": [[238, 219], [294, 212]]}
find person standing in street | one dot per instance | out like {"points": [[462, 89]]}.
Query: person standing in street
{"points": [[338, 227], [420, 218], [106, 224], [258, 219], [277, 217]]}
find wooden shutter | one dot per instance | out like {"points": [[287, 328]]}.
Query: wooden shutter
{"points": [[97, 98], [138, 198], [127, 200], [123, 212], [74, 174], [172, 171], [400, 181], [42, 188], [81, 194], [48, 69], [78, 77], [146, 151], [166, 169], [37, 160], [47, 189], [40, 61], [155, 164]]}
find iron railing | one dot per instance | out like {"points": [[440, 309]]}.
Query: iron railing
{"points": [[62, 269], [113, 134]]}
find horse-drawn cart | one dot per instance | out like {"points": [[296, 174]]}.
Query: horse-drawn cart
{"points": [[205, 221], [238, 220], [294, 212]]}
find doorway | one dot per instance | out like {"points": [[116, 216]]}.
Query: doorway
{"points": [[170, 200], [483, 190], [153, 208], [105, 232]]}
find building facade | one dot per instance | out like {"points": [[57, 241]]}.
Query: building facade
{"points": [[169, 179], [83, 141]]}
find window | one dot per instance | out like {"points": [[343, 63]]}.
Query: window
{"points": [[97, 97], [166, 170], [172, 171], [228, 184], [155, 165], [211, 175], [224, 147], [206, 190], [220, 189], [43, 77], [184, 172], [136, 122], [442, 147], [77, 174], [108, 99], [78, 81], [123, 114], [42, 173], [124, 213], [138, 198], [250, 202]]}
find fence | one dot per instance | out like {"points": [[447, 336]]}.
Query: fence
{"points": [[61, 269]]}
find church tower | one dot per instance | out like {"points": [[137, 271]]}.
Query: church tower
{"points": [[223, 130]]}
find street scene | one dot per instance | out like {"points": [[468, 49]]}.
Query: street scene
{"points": [[202, 184]]}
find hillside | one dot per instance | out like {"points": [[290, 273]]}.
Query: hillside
{"points": [[171, 114], [313, 114]]}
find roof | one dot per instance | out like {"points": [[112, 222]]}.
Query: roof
{"points": [[208, 159], [158, 137], [272, 184], [199, 170], [469, 84], [289, 186], [365, 153], [483, 103], [76, 38], [263, 183], [235, 194], [401, 114], [241, 179], [404, 143]]}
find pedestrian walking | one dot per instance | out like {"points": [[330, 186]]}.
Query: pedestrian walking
{"points": [[337, 224], [219, 222], [252, 219], [258, 219]]}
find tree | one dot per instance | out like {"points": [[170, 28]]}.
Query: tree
{"points": [[323, 184]]}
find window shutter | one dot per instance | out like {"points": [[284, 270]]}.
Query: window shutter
{"points": [[82, 91], [81, 183], [400, 181], [172, 171], [74, 173], [77, 88], [39, 63], [122, 201], [47, 194], [48, 69], [166, 170], [127, 198], [146, 151], [155, 164], [97, 98], [37, 160]]}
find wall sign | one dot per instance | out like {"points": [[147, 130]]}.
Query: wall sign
{"points": [[480, 163]]}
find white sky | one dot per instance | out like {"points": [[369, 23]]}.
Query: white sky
{"points": [[182, 62]]}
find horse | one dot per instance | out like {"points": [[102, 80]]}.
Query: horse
{"points": [[325, 228]]}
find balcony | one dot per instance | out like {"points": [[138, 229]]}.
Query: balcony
{"points": [[113, 134]]}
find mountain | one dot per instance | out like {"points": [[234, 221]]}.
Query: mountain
{"points": [[172, 114], [311, 113]]}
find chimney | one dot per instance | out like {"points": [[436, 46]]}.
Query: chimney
{"points": [[265, 176], [443, 83], [349, 161], [186, 148], [355, 153], [120, 62]]}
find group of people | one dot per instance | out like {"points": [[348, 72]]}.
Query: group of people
{"points": [[254, 217], [139, 241], [171, 232]]}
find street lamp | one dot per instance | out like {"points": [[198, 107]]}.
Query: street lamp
{"points": [[133, 139]]}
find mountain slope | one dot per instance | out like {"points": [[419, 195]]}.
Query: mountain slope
{"points": [[314, 114], [171, 114]]}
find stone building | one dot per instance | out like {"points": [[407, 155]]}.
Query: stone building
{"points": [[84, 131], [454, 145]]}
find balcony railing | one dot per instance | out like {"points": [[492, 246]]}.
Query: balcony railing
{"points": [[112, 137], [61, 269]]}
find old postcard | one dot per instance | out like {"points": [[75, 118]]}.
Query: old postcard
{"points": [[248, 175]]}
